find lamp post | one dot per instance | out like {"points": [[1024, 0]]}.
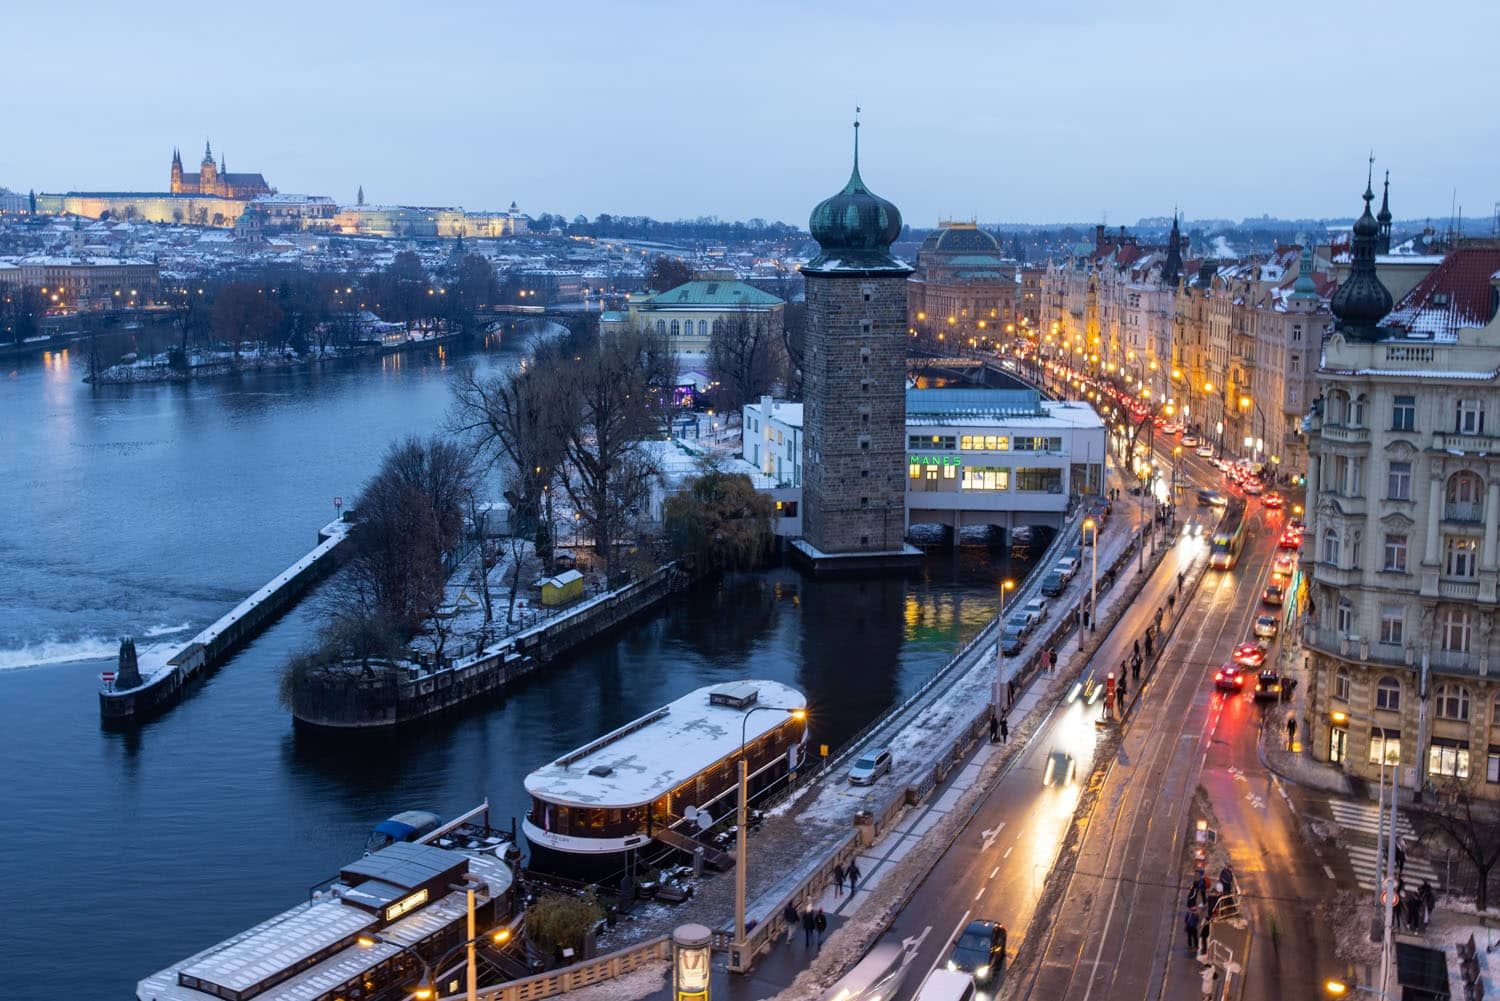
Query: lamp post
{"points": [[1005, 585], [426, 989], [736, 962], [1385, 859], [1089, 524]]}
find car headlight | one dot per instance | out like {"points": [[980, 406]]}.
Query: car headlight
{"points": [[982, 972], [952, 965]]}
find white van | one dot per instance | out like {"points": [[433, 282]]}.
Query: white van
{"points": [[874, 977], [946, 985]]}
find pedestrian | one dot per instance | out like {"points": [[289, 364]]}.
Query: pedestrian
{"points": [[1400, 859], [791, 918], [1053, 658], [994, 726], [1148, 644], [1005, 730], [1226, 876], [1190, 924], [1413, 912], [1429, 901], [1160, 611], [1137, 649], [1180, 575], [809, 925], [1135, 671], [1291, 732], [1203, 929], [1172, 601], [838, 880], [853, 875], [821, 922], [1122, 688], [1199, 889]]}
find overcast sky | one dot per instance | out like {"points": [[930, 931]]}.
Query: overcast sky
{"points": [[1031, 112]]}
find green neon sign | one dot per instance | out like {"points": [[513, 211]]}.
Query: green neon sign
{"points": [[935, 460]]}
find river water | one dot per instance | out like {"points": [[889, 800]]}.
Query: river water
{"points": [[150, 510]]}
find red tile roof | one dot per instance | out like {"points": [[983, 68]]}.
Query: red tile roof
{"points": [[1457, 293]]}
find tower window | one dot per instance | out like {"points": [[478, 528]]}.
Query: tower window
{"points": [[866, 326]]}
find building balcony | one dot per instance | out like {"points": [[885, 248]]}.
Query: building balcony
{"points": [[1455, 662], [1458, 590], [1345, 435], [1337, 644], [1467, 444], [1328, 573], [1464, 512]]}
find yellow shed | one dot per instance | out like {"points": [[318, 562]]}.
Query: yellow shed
{"points": [[563, 588]]}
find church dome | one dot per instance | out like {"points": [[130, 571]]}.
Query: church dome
{"points": [[1362, 301], [855, 228], [967, 240]]}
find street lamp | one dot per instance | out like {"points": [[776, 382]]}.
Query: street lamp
{"points": [[1089, 524], [1005, 585], [426, 989], [743, 816]]}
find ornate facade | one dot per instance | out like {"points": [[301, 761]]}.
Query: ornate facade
{"points": [[964, 288], [1403, 502]]}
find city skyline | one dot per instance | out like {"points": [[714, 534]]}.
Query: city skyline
{"points": [[1076, 121]]}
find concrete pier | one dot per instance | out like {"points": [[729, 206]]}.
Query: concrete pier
{"points": [[164, 672]]}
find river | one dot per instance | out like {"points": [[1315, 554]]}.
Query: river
{"points": [[150, 510]]}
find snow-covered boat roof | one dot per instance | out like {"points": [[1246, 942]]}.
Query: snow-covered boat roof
{"points": [[649, 757]]}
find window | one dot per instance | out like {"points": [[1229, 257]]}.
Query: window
{"points": [[1039, 480], [1492, 765], [1395, 552], [1385, 744], [719, 326], [1449, 758], [1356, 477], [986, 478], [1453, 703], [1341, 686], [1331, 547], [1392, 624], [661, 328], [1398, 481], [914, 470], [1462, 497], [1357, 412], [1344, 617], [702, 328], [1457, 629], [1470, 417], [950, 472], [1404, 413], [1388, 694], [1460, 556], [676, 328]]}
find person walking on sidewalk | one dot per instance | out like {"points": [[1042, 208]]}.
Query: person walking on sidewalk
{"points": [[1190, 924], [1052, 657], [838, 880], [821, 922], [994, 726], [809, 925], [790, 916], [853, 875], [1005, 729]]}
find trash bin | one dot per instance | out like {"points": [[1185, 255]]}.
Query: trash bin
{"points": [[864, 823]]}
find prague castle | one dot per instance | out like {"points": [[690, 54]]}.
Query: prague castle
{"points": [[214, 179]]}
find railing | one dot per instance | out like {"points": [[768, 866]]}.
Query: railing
{"points": [[1468, 512], [1335, 643], [1449, 441], [1453, 661], [1346, 435], [571, 978], [1461, 590]]}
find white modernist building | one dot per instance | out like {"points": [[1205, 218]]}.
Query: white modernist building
{"points": [[996, 457]]}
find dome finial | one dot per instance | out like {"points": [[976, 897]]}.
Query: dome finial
{"points": [[856, 140]]}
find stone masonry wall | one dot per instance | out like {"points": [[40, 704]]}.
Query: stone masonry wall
{"points": [[854, 425]]}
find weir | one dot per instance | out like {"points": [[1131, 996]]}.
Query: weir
{"points": [[149, 681]]}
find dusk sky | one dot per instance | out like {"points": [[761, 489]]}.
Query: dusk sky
{"points": [[1031, 112]]}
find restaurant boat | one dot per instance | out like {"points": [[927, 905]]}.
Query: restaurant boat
{"points": [[654, 784]]}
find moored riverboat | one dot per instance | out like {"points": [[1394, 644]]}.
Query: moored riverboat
{"points": [[654, 784]]}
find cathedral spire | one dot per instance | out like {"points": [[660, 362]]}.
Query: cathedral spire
{"points": [[1383, 217], [1171, 269], [855, 175]]}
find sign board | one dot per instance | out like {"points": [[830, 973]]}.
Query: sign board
{"points": [[107, 677], [338, 503], [935, 460], [822, 750], [692, 950], [405, 906]]}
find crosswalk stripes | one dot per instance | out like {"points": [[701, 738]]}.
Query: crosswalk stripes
{"points": [[1361, 825]]}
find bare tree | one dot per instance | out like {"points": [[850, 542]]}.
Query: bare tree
{"points": [[793, 346], [616, 394], [1471, 826], [742, 356], [667, 273]]}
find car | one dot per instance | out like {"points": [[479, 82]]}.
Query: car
{"points": [[1037, 609], [1268, 687], [1204, 451], [979, 951], [1297, 524], [869, 766], [1011, 641], [947, 985], [1060, 769], [1219, 498], [1021, 622], [1054, 583], [1290, 540], [1284, 565], [1207, 497], [1190, 440], [1266, 626], [1068, 567], [1252, 486], [1172, 427], [1229, 678], [1273, 595], [1273, 501], [1249, 654]]}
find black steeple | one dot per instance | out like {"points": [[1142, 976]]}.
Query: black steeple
{"points": [[1171, 269], [1362, 301], [1383, 243]]}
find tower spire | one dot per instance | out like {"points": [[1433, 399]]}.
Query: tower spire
{"points": [[856, 141], [1362, 301], [1383, 217]]}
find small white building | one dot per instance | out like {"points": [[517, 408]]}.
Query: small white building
{"points": [[974, 456]]}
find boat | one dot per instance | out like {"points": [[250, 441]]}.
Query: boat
{"points": [[660, 784], [370, 931]]}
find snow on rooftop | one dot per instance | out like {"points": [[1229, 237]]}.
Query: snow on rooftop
{"points": [[648, 758]]}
